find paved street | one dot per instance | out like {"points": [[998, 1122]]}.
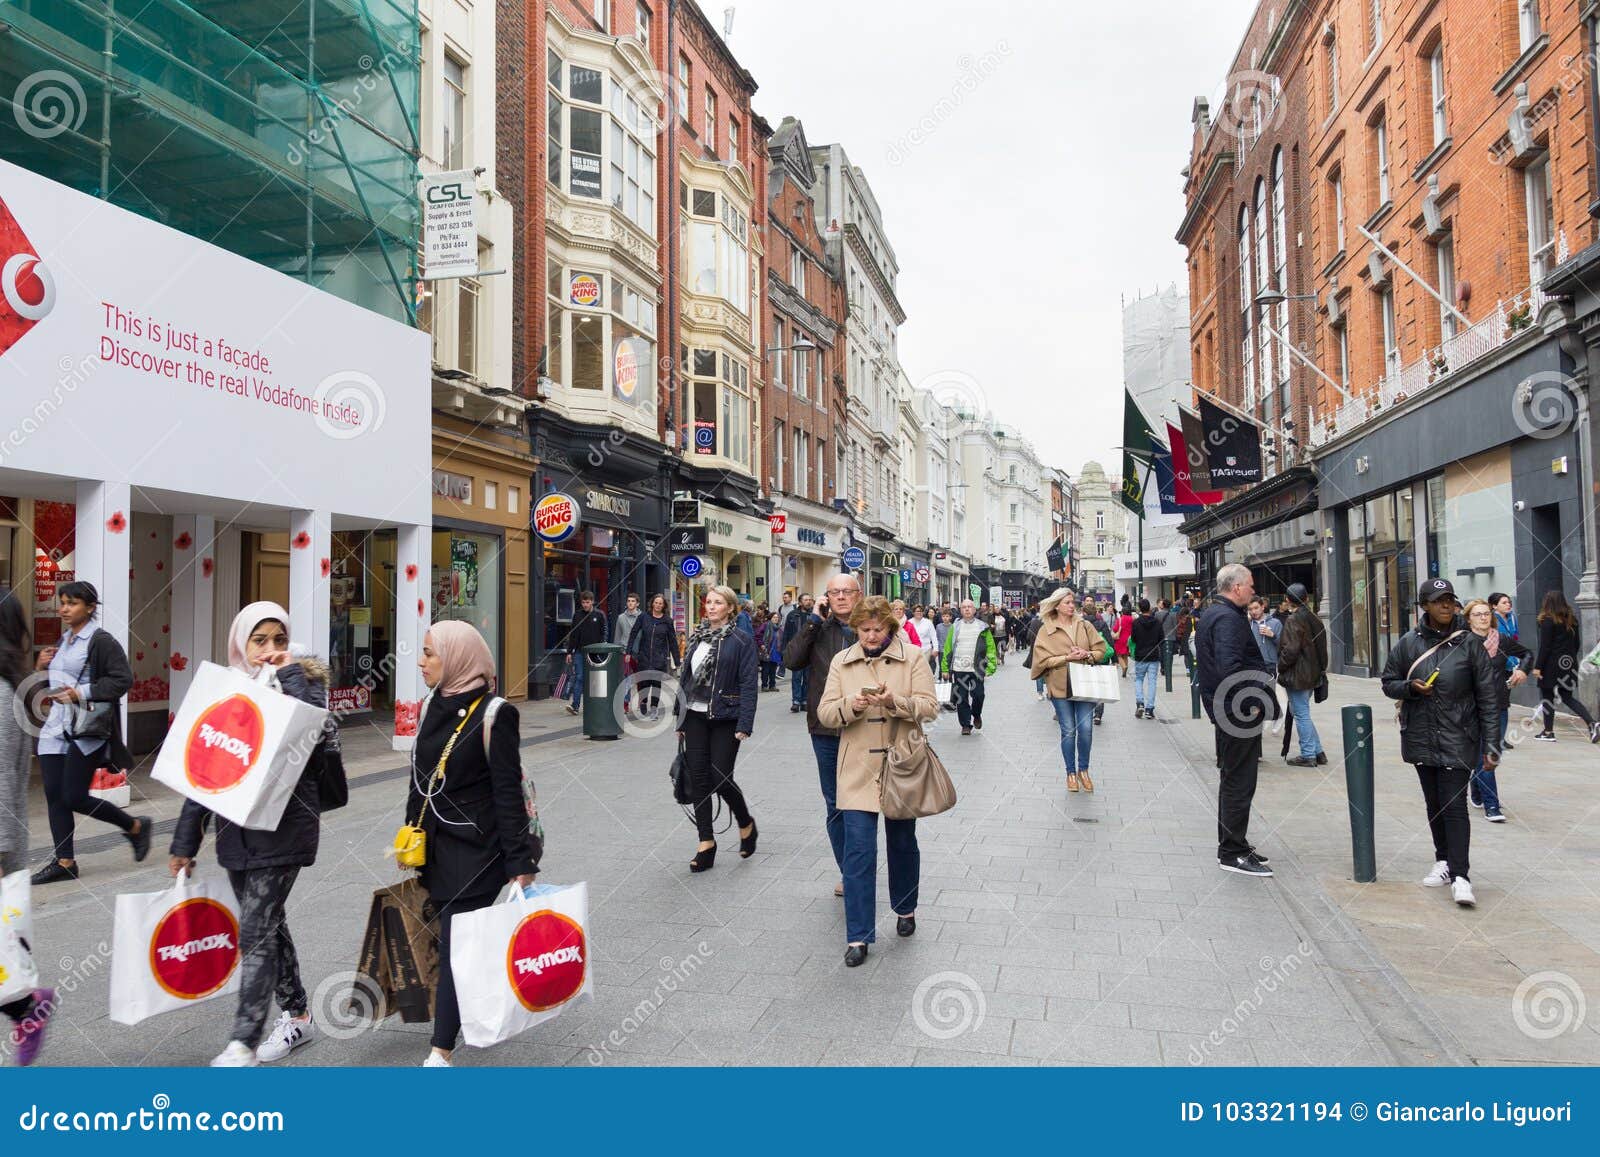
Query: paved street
{"points": [[1053, 928]]}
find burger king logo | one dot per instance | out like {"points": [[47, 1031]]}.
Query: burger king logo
{"points": [[585, 289], [546, 960], [195, 948], [627, 370], [27, 291], [555, 518], [224, 744]]}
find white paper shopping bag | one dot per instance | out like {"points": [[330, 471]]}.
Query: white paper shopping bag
{"points": [[173, 948], [238, 745], [520, 962], [1098, 683]]}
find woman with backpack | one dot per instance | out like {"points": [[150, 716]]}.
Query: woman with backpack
{"points": [[467, 795], [1556, 668], [263, 866]]}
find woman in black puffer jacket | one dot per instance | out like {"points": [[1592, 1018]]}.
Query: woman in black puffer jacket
{"points": [[262, 866], [1449, 714], [1556, 665]]}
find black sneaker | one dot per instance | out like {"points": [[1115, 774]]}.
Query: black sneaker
{"points": [[54, 872], [1547, 736], [1245, 865], [1256, 856]]}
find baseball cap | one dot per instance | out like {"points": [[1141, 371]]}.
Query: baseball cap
{"points": [[1433, 590], [1297, 592]]}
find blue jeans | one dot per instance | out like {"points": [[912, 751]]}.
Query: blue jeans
{"points": [[1300, 708], [861, 871], [1075, 717], [797, 686], [575, 691], [826, 749], [1483, 781], [1144, 682]]}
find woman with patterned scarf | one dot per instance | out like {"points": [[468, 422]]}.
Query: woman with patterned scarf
{"points": [[720, 689]]}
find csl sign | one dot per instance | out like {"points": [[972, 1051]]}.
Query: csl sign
{"points": [[450, 225]]}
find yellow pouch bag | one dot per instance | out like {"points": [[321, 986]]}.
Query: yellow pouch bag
{"points": [[410, 848]]}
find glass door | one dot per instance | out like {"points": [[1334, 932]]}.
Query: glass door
{"points": [[1386, 602]]}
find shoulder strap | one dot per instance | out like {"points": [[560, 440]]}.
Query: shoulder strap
{"points": [[1445, 643], [488, 721]]}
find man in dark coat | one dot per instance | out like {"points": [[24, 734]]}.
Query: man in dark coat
{"points": [[1302, 667], [812, 650], [797, 677], [1237, 692], [588, 629]]}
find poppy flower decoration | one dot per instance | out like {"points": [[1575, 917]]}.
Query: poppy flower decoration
{"points": [[117, 523], [422, 608], [177, 662], [206, 567], [411, 572], [183, 541], [160, 565], [302, 540], [327, 568], [138, 656]]}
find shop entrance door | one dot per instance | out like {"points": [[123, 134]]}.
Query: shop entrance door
{"points": [[1544, 527], [1391, 583]]}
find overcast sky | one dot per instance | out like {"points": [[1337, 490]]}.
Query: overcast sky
{"points": [[1048, 188]]}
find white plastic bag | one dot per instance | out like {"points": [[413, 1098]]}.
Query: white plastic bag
{"points": [[18, 974], [520, 962], [1096, 682], [238, 746], [944, 691], [16, 904], [173, 948]]}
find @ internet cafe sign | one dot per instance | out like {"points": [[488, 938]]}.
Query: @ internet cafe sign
{"points": [[689, 566]]}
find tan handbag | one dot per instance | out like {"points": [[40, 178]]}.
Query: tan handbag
{"points": [[914, 783]]}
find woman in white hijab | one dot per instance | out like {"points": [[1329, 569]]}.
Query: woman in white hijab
{"points": [[262, 866]]}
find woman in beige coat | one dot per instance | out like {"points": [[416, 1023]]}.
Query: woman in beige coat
{"points": [[879, 690], [1067, 637]]}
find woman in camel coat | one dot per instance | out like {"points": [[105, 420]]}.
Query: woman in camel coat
{"points": [[879, 690], [1066, 637]]}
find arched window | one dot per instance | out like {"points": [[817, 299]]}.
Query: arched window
{"points": [[1246, 306]]}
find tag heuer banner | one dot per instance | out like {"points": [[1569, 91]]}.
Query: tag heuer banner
{"points": [[1232, 445]]}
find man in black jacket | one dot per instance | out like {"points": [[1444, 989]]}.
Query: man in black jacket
{"points": [[811, 651], [797, 678], [588, 629], [1236, 689]]}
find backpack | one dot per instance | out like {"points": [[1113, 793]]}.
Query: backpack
{"points": [[530, 795]]}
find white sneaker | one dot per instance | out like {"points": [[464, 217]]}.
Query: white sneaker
{"points": [[1439, 877], [237, 1055], [435, 1061], [287, 1035], [1461, 890]]}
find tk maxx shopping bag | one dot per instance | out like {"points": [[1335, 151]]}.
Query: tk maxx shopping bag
{"points": [[238, 745], [173, 948], [521, 961]]}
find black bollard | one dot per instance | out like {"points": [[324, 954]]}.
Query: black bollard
{"points": [[1194, 699], [1358, 785], [1166, 662]]}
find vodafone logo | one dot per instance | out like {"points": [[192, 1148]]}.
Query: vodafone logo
{"points": [[195, 948], [224, 744], [546, 960], [27, 291]]}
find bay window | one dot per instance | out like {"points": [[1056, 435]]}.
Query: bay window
{"points": [[601, 333], [718, 406], [599, 149], [717, 263]]}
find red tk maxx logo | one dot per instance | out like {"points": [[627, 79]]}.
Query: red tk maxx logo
{"points": [[195, 948], [224, 744], [27, 291], [546, 960]]}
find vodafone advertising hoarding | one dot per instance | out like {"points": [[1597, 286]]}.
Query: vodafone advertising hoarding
{"points": [[133, 352]]}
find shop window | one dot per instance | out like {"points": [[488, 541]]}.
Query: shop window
{"points": [[1360, 653], [466, 582]]}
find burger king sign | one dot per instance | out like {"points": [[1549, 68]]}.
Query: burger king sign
{"points": [[555, 518]]}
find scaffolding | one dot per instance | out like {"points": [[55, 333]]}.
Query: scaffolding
{"points": [[285, 131]]}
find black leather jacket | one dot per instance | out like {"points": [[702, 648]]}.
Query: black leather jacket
{"points": [[1446, 728], [813, 647]]}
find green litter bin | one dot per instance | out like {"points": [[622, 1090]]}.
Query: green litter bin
{"points": [[602, 677]]}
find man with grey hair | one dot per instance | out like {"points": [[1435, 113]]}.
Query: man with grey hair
{"points": [[808, 654], [969, 657], [1236, 688]]}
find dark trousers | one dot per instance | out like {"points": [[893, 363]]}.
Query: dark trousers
{"points": [[1181, 647], [769, 675], [861, 871], [18, 1010], [1445, 791], [1547, 696], [446, 1008], [710, 750], [268, 965], [1239, 758], [66, 791], [826, 749], [969, 697], [797, 686]]}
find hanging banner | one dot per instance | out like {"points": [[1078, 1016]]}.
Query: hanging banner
{"points": [[449, 225], [1194, 440], [1166, 484], [1138, 438], [1184, 494], [1132, 493], [1232, 446]]}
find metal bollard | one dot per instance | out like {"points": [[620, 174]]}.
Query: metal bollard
{"points": [[1166, 662], [1358, 785], [1194, 699]]}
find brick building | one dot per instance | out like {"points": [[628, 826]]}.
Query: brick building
{"points": [[1246, 229], [804, 407]]}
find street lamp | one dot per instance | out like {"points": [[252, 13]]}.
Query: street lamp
{"points": [[1277, 297], [804, 345], [1270, 297]]}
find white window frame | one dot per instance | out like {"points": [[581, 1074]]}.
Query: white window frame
{"points": [[1374, 25], [1247, 304], [641, 23], [1343, 342], [779, 479], [1436, 88], [683, 86], [780, 359], [711, 118], [1099, 520], [1380, 133], [627, 146], [1333, 74], [1337, 180], [1445, 265], [797, 270], [453, 112], [1391, 333], [1541, 219], [1528, 23]]}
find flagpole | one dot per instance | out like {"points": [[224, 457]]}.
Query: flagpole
{"points": [[1143, 490]]}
